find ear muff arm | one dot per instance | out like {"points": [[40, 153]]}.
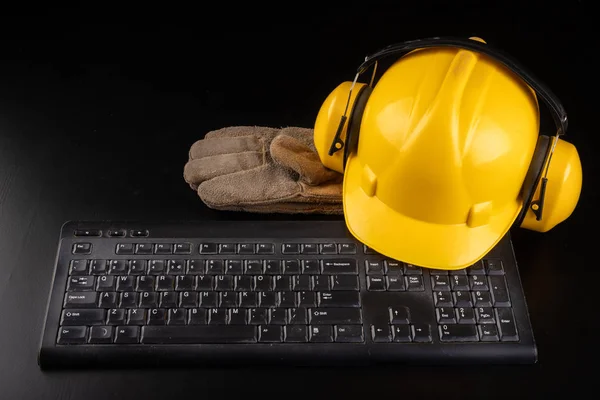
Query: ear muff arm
{"points": [[337, 142], [558, 112]]}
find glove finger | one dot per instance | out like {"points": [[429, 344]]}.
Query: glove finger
{"points": [[237, 131], [292, 153], [199, 170], [303, 135], [225, 145], [260, 185]]}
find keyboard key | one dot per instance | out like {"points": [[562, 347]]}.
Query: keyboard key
{"points": [[476, 269], [332, 316], [440, 282], [493, 267], [396, 283], [401, 333], [459, 282], [101, 334], [127, 334], [344, 282], [138, 267], [81, 300], [83, 317], [246, 248], [106, 283], [310, 248], [136, 316], [198, 316], [381, 333], [478, 282], [139, 233], [116, 316], [265, 248], [488, 333], [499, 291], [82, 248], [465, 315], [328, 248], [339, 299], [81, 283], [98, 267], [421, 333], [348, 333], [79, 267], [227, 248], [485, 315], [198, 334], [124, 248], [117, 267], [72, 335], [320, 334], [376, 283], [88, 232], [347, 248], [182, 248], [149, 299], [297, 316], [116, 233], [296, 334], [410, 269], [399, 315], [415, 283], [375, 267], [340, 267], [443, 299], [270, 334], [176, 316], [143, 248], [482, 299], [208, 248], [507, 325], [290, 248], [458, 333], [163, 248]]}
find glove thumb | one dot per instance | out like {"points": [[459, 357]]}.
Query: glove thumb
{"points": [[297, 156]]}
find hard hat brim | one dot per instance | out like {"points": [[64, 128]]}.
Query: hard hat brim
{"points": [[397, 236]]}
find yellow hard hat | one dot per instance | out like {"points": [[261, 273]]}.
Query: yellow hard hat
{"points": [[444, 154]]}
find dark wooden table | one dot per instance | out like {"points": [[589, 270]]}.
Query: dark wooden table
{"points": [[96, 120]]}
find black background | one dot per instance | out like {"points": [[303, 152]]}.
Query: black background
{"points": [[99, 105]]}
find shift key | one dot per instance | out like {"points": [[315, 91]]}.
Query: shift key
{"points": [[81, 300], [331, 316]]}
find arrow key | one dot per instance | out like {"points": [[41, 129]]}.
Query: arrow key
{"points": [[101, 334], [399, 315], [380, 333]]}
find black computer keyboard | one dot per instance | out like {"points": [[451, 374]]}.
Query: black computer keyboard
{"points": [[282, 292]]}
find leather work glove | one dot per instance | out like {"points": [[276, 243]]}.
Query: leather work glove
{"points": [[263, 170]]}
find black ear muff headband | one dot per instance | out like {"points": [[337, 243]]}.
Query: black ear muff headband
{"points": [[557, 110]]}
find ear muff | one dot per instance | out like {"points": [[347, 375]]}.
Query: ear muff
{"points": [[354, 121], [534, 175], [331, 123], [563, 172]]}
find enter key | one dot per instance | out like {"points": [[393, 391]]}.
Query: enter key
{"points": [[339, 299]]}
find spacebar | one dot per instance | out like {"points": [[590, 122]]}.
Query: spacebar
{"points": [[198, 334]]}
